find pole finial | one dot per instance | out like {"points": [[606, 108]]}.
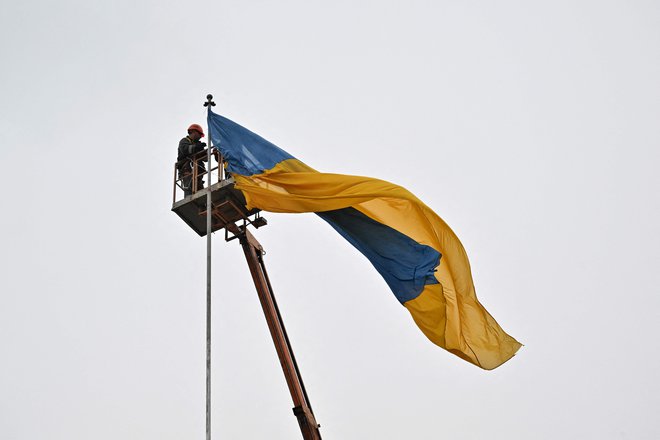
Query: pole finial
{"points": [[209, 101]]}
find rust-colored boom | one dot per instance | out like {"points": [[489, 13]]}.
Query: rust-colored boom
{"points": [[302, 408]]}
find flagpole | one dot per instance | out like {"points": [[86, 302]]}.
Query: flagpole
{"points": [[209, 103]]}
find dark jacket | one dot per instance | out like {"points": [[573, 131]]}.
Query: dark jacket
{"points": [[187, 149]]}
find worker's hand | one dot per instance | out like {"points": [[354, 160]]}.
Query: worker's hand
{"points": [[203, 144]]}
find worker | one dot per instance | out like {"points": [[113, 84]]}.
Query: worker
{"points": [[189, 146]]}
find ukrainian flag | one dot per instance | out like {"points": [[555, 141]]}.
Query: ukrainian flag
{"points": [[418, 255]]}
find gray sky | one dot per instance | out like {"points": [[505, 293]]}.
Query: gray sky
{"points": [[530, 127]]}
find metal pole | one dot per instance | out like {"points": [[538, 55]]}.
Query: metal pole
{"points": [[209, 103]]}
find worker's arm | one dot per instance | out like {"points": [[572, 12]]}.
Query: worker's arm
{"points": [[188, 148]]}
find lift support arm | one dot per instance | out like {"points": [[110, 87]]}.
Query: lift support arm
{"points": [[302, 407]]}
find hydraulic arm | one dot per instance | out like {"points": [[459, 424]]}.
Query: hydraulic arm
{"points": [[302, 407]]}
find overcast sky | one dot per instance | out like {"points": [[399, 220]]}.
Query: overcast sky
{"points": [[531, 128]]}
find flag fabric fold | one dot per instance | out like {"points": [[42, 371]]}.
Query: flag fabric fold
{"points": [[414, 250]]}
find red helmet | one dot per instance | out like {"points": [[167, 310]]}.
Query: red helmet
{"points": [[196, 127]]}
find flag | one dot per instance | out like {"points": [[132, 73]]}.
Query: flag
{"points": [[415, 251]]}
